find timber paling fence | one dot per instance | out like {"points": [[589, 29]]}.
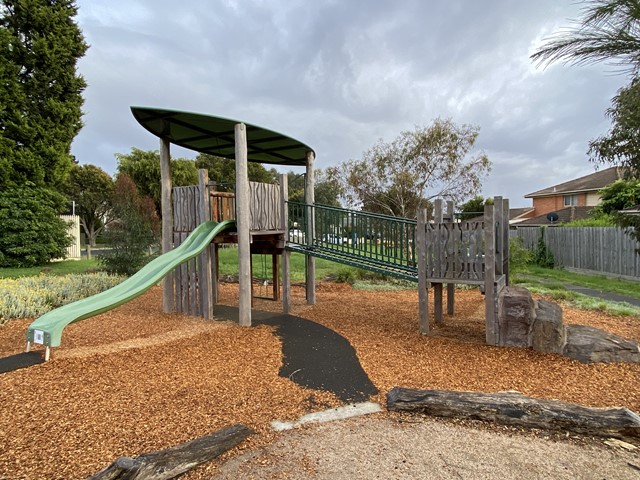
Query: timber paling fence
{"points": [[601, 250]]}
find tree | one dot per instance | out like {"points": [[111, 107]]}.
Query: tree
{"points": [[40, 91], [400, 177], [143, 167], [32, 231], [621, 146], [92, 190], [136, 227], [619, 195], [327, 188], [223, 171], [473, 208], [608, 31]]}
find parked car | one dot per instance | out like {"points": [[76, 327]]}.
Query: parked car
{"points": [[335, 239], [296, 235]]}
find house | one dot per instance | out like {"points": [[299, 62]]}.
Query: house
{"points": [[568, 201]]}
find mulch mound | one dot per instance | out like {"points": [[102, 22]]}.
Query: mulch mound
{"points": [[134, 379]]}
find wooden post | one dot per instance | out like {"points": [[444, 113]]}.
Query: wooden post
{"points": [[441, 261], [423, 293], [215, 277], [505, 238], [204, 259], [497, 208], [286, 260], [168, 305], [491, 322], [310, 200], [276, 277], [242, 224], [451, 287]]}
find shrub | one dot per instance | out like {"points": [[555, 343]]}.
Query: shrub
{"points": [[519, 256], [542, 256], [32, 232], [34, 296], [135, 231]]}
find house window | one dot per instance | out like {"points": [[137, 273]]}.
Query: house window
{"points": [[570, 200]]}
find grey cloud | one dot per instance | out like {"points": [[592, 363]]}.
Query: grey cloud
{"points": [[340, 75]]}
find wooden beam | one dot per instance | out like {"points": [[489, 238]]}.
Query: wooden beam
{"points": [[286, 259], [168, 304], [172, 462], [242, 224], [423, 293], [512, 408], [310, 200]]}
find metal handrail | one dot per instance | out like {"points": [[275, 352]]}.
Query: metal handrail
{"points": [[383, 239]]}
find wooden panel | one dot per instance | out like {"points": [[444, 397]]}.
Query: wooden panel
{"points": [[265, 206]]}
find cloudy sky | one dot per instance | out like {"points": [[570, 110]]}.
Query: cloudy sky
{"points": [[339, 75]]}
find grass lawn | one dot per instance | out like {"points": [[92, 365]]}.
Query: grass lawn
{"points": [[54, 268], [557, 277]]}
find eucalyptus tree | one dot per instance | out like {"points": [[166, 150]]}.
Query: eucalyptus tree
{"points": [[402, 176]]}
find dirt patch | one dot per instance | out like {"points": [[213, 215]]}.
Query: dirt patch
{"points": [[134, 379], [402, 447]]}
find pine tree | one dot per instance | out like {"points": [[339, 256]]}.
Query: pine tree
{"points": [[40, 90]]}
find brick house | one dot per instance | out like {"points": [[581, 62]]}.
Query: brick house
{"points": [[570, 200]]}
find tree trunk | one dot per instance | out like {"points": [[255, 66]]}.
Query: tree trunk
{"points": [[174, 461], [512, 408]]}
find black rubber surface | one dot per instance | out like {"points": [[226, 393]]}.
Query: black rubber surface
{"points": [[20, 360], [314, 356]]}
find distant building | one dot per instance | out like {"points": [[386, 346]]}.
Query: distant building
{"points": [[568, 201]]}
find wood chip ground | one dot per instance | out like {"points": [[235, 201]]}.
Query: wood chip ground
{"points": [[134, 379]]}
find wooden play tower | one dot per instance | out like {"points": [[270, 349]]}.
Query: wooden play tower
{"points": [[257, 226]]}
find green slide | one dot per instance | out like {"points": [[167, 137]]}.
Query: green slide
{"points": [[47, 329]]}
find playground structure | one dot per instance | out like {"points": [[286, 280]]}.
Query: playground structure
{"points": [[433, 251], [437, 252]]}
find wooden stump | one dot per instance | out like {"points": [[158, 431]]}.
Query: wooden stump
{"points": [[512, 408], [174, 461]]}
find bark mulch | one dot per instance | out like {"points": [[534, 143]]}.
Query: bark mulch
{"points": [[134, 379]]}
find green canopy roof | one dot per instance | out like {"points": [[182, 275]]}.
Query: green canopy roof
{"points": [[215, 136]]}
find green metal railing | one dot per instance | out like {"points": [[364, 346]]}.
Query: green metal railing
{"points": [[377, 242]]}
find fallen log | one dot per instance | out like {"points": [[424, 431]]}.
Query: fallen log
{"points": [[174, 461], [512, 408]]}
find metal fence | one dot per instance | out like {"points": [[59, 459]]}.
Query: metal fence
{"points": [[602, 250]]}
